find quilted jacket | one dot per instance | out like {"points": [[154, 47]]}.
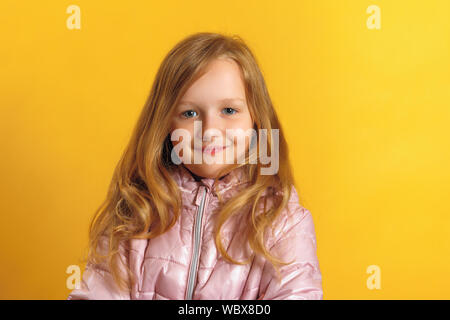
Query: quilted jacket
{"points": [[184, 264]]}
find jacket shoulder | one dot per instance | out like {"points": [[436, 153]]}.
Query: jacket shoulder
{"points": [[294, 242], [292, 215]]}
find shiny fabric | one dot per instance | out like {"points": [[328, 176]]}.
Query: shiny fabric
{"points": [[162, 265]]}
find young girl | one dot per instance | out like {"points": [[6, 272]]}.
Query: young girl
{"points": [[173, 227]]}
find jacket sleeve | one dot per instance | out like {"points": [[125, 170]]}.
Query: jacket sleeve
{"points": [[301, 279], [98, 284]]}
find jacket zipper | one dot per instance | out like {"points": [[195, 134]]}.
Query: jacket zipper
{"points": [[197, 232]]}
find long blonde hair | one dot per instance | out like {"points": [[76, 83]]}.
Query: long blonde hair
{"points": [[142, 193]]}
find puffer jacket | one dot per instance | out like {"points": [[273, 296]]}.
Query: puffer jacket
{"points": [[184, 264]]}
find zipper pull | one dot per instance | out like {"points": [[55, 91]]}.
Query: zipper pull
{"points": [[198, 198]]}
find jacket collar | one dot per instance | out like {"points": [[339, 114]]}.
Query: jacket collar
{"points": [[189, 182]]}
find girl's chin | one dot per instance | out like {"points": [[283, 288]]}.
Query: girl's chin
{"points": [[206, 170]]}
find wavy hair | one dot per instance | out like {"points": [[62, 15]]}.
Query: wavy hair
{"points": [[142, 194]]}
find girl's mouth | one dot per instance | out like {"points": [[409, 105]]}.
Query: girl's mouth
{"points": [[212, 150]]}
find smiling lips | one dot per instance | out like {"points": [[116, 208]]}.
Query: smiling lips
{"points": [[212, 150]]}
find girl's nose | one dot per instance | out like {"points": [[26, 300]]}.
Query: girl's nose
{"points": [[211, 127], [210, 121]]}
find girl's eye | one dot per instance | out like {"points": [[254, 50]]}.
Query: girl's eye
{"points": [[229, 111], [188, 114], [192, 113]]}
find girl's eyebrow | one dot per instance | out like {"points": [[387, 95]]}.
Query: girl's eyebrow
{"points": [[221, 100]]}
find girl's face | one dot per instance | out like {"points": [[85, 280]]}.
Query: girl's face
{"points": [[216, 101]]}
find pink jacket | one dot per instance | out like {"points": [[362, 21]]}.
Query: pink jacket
{"points": [[184, 264]]}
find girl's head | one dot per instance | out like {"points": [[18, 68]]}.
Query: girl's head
{"points": [[214, 79]]}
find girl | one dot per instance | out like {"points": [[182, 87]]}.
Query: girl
{"points": [[173, 227]]}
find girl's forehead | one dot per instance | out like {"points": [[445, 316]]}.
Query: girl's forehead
{"points": [[218, 101], [221, 81]]}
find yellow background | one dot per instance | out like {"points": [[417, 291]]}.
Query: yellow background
{"points": [[366, 113]]}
